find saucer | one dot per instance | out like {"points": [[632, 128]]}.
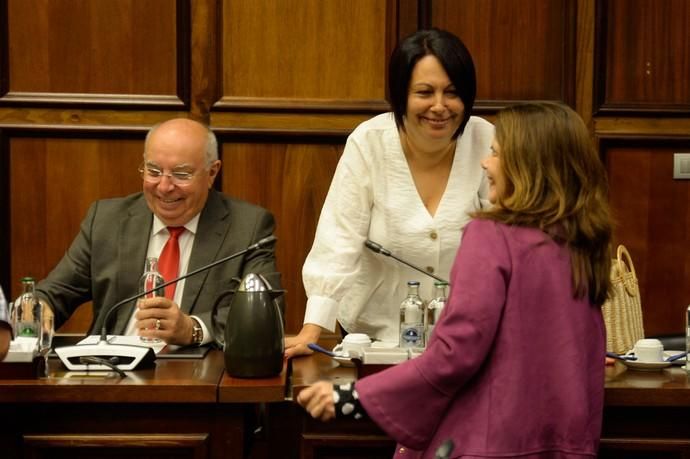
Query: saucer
{"points": [[645, 366], [680, 361]]}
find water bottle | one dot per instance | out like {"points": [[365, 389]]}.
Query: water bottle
{"points": [[26, 311], [412, 318], [687, 338], [433, 310], [151, 279]]}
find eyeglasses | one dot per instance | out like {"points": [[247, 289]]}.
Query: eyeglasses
{"points": [[152, 174]]}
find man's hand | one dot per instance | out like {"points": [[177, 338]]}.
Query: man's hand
{"points": [[161, 318], [317, 399], [297, 345], [5, 338]]}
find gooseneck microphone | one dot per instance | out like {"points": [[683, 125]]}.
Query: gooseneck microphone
{"points": [[85, 356], [378, 248], [259, 244], [444, 451]]}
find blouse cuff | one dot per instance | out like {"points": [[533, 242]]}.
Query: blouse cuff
{"points": [[321, 311]]}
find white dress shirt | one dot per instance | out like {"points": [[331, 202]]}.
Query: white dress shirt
{"points": [[373, 196], [157, 239]]}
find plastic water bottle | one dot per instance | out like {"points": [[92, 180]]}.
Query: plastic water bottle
{"points": [[434, 308], [151, 279], [687, 338], [26, 311], [412, 318]]}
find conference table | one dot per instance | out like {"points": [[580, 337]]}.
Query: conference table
{"points": [[193, 408]]}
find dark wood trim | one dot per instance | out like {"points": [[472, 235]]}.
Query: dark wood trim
{"points": [[272, 104], [138, 101], [569, 63], [406, 19], [644, 110], [638, 140], [491, 107], [191, 445], [424, 14], [600, 44], [282, 134], [605, 141], [184, 44], [5, 246], [4, 49]]}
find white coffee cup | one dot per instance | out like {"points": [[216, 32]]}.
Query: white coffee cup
{"points": [[353, 344], [649, 350]]}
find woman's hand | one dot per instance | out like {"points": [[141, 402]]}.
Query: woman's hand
{"points": [[317, 399], [297, 345]]}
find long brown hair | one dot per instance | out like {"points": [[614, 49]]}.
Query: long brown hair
{"points": [[555, 181]]}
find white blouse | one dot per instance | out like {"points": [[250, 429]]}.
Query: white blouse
{"points": [[373, 196]]}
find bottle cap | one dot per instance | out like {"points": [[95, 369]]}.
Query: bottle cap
{"points": [[413, 283]]}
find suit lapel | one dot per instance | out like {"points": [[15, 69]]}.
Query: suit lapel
{"points": [[210, 234], [133, 235]]}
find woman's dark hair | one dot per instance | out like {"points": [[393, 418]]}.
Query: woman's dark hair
{"points": [[453, 56]]}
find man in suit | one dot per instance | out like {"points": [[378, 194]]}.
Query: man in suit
{"points": [[5, 326], [106, 259]]}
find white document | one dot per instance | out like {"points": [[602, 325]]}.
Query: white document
{"points": [[124, 339]]}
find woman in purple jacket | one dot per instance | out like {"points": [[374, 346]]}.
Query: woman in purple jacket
{"points": [[515, 366]]}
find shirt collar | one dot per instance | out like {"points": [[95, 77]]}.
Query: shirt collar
{"points": [[190, 226]]}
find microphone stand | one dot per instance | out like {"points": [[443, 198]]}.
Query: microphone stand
{"points": [[378, 248], [81, 356]]}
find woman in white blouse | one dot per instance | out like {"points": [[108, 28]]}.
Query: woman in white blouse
{"points": [[407, 180]]}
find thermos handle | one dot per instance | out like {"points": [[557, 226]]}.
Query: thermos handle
{"points": [[218, 333]]}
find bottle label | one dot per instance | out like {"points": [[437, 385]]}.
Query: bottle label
{"points": [[411, 335]]}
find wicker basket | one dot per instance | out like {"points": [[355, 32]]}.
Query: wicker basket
{"points": [[623, 309]]}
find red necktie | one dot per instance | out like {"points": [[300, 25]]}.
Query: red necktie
{"points": [[169, 261]]}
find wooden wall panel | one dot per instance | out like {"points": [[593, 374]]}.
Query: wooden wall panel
{"points": [[53, 181], [284, 82], [644, 55], [653, 221], [309, 53], [105, 51], [291, 180], [522, 50]]}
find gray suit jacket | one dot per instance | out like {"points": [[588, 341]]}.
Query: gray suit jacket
{"points": [[107, 257]]}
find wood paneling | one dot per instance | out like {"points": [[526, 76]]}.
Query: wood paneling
{"points": [[291, 180], [53, 181], [284, 82], [97, 51], [644, 56], [125, 446], [652, 211], [522, 50], [321, 54]]}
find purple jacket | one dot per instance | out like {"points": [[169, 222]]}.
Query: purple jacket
{"points": [[515, 367]]}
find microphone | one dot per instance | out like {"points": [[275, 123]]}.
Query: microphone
{"points": [[378, 248], [443, 451], [131, 356]]}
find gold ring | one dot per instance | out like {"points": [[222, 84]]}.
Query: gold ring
{"points": [[158, 324]]}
